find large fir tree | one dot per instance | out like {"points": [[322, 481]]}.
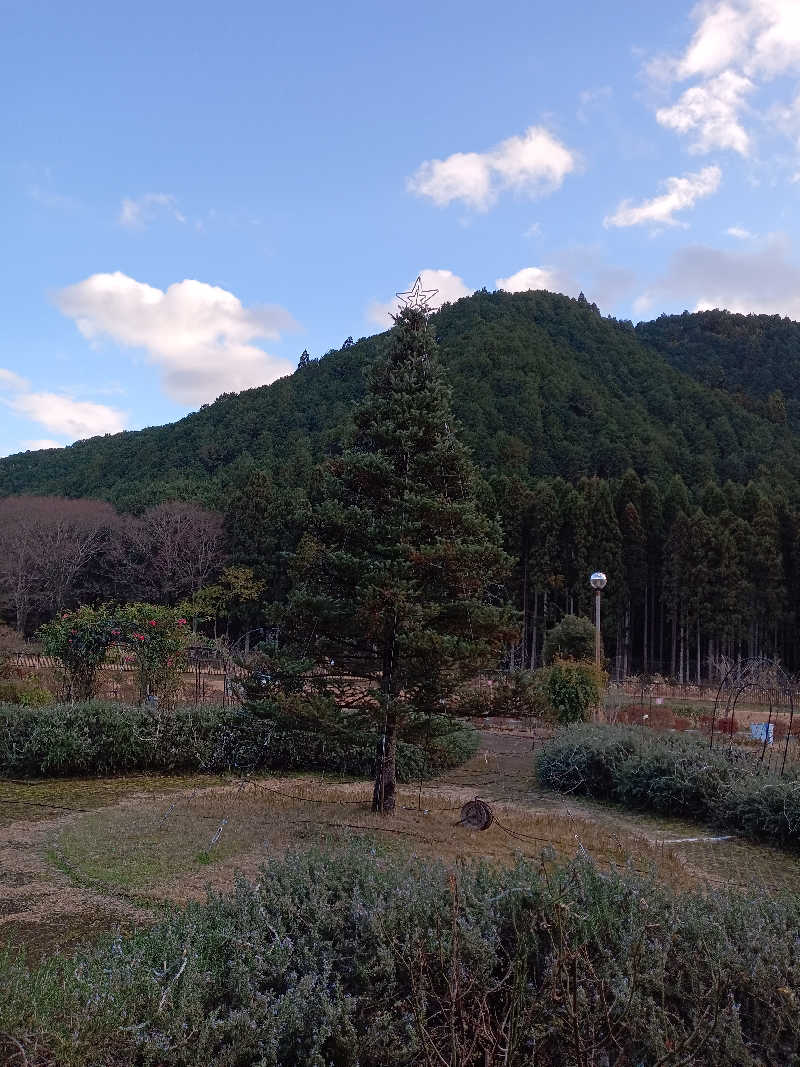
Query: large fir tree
{"points": [[399, 578]]}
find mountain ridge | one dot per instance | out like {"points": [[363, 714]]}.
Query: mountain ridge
{"points": [[542, 385]]}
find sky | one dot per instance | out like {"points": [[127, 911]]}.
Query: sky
{"points": [[193, 194]]}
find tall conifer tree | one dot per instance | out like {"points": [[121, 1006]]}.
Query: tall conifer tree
{"points": [[397, 571]]}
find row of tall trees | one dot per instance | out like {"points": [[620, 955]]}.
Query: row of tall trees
{"points": [[690, 580]]}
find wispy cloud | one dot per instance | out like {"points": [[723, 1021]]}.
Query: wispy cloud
{"points": [[533, 163], [681, 194], [138, 212], [200, 336], [740, 233], [711, 113]]}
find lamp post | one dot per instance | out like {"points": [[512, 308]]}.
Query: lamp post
{"points": [[598, 582]]}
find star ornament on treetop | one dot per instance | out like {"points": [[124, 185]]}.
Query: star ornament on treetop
{"points": [[417, 297]]}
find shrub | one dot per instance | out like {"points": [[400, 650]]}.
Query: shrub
{"points": [[572, 690], [106, 738], [518, 694], [158, 638], [572, 638], [354, 958], [154, 638], [81, 640], [674, 775]]}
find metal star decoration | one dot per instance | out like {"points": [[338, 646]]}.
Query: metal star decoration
{"points": [[417, 297]]}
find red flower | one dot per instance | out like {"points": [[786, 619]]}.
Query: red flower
{"points": [[152, 622], [140, 636], [115, 633], [181, 622]]}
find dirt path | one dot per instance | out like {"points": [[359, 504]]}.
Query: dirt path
{"points": [[81, 857]]}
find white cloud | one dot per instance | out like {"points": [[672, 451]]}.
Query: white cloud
{"points": [[533, 163], [720, 40], [682, 194], [551, 278], [737, 47], [711, 113], [39, 443], [71, 418], [137, 213], [199, 335], [739, 232], [763, 280], [58, 413]]}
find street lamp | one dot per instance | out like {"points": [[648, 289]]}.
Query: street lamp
{"points": [[598, 582]]}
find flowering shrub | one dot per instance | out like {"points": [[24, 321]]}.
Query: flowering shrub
{"points": [[81, 640], [150, 638], [157, 641]]}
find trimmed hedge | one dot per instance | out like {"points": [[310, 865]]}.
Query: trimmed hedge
{"points": [[353, 959], [673, 775], [106, 738]]}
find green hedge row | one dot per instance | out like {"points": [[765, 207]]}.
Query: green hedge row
{"points": [[673, 775], [106, 738], [353, 959]]}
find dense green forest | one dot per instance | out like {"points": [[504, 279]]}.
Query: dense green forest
{"points": [[594, 451], [754, 357], [542, 384]]}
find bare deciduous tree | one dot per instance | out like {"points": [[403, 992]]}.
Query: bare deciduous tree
{"points": [[46, 546], [179, 548]]}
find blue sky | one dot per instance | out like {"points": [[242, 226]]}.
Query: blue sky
{"points": [[193, 194]]}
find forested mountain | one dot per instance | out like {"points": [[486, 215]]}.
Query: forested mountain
{"points": [[595, 452], [543, 385], [755, 357]]}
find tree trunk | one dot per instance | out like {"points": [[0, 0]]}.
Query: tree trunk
{"points": [[525, 554], [535, 628], [385, 789], [680, 657], [645, 660], [384, 793]]}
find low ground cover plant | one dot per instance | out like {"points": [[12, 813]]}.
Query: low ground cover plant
{"points": [[106, 738], [674, 775], [350, 957]]}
